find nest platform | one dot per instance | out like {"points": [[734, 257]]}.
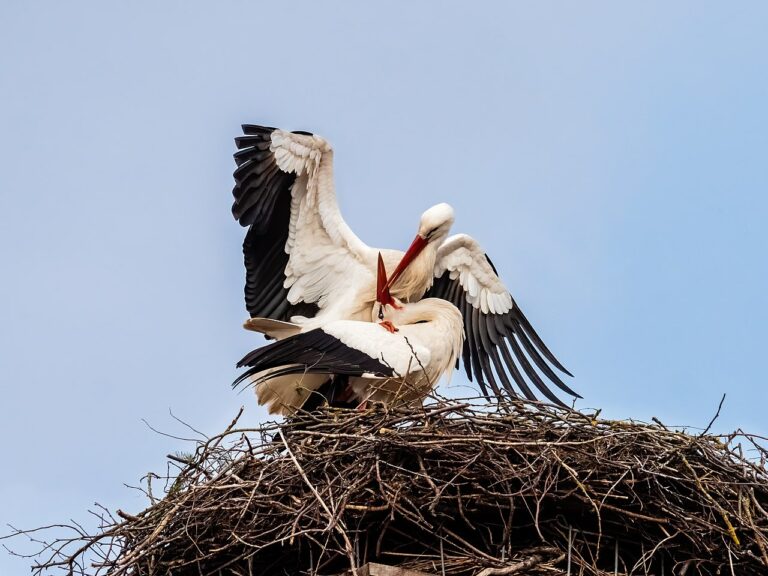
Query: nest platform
{"points": [[454, 488]]}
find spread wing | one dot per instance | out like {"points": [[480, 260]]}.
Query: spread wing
{"points": [[500, 346], [298, 250]]}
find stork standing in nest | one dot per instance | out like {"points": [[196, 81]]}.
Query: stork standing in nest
{"points": [[397, 358]]}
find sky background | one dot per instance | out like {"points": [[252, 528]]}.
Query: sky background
{"points": [[611, 159]]}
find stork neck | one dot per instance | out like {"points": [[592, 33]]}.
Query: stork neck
{"points": [[418, 276], [442, 326], [433, 310]]}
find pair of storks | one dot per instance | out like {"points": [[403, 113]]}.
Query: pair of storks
{"points": [[347, 333]]}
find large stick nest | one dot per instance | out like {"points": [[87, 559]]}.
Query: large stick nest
{"points": [[451, 489]]}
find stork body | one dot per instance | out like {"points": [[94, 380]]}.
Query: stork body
{"points": [[305, 268], [383, 366]]}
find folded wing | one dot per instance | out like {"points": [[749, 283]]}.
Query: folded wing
{"points": [[344, 347]]}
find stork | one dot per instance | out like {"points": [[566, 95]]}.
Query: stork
{"points": [[398, 359], [306, 268]]}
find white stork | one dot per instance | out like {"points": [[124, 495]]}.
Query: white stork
{"points": [[305, 267], [397, 360]]}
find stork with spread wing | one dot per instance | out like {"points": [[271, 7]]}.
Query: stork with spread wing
{"points": [[305, 267]]}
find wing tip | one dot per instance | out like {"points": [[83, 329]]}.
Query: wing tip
{"points": [[251, 129]]}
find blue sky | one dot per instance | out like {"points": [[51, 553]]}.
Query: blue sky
{"points": [[610, 158]]}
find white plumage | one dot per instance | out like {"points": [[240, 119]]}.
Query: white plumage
{"points": [[463, 258], [306, 268], [382, 366]]}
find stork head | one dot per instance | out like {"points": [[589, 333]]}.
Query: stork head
{"points": [[433, 228], [436, 222]]}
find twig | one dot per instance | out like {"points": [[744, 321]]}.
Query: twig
{"points": [[713, 417]]}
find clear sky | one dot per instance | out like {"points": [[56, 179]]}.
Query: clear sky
{"points": [[611, 158]]}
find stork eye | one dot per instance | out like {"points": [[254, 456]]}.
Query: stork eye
{"points": [[381, 312]]}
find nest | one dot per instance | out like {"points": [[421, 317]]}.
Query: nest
{"points": [[454, 488]]}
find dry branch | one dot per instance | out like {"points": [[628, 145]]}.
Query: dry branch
{"points": [[453, 488]]}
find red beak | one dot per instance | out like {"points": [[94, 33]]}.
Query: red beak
{"points": [[410, 255], [382, 291]]}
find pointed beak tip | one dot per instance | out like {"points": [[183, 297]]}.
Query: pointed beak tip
{"points": [[382, 289]]}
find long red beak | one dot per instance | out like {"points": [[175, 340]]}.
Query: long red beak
{"points": [[410, 255], [382, 291]]}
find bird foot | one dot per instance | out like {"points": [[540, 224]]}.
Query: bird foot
{"points": [[387, 325], [363, 406]]}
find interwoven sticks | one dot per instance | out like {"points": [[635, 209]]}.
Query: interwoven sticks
{"points": [[456, 489]]}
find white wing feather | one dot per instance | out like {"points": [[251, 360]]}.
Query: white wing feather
{"points": [[393, 350], [323, 251], [464, 259]]}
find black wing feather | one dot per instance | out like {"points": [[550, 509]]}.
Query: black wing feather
{"points": [[511, 334], [263, 203], [519, 380], [545, 368], [313, 352], [498, 342], [530, 372], [479, 328], [474, 345], [523, 321]]}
